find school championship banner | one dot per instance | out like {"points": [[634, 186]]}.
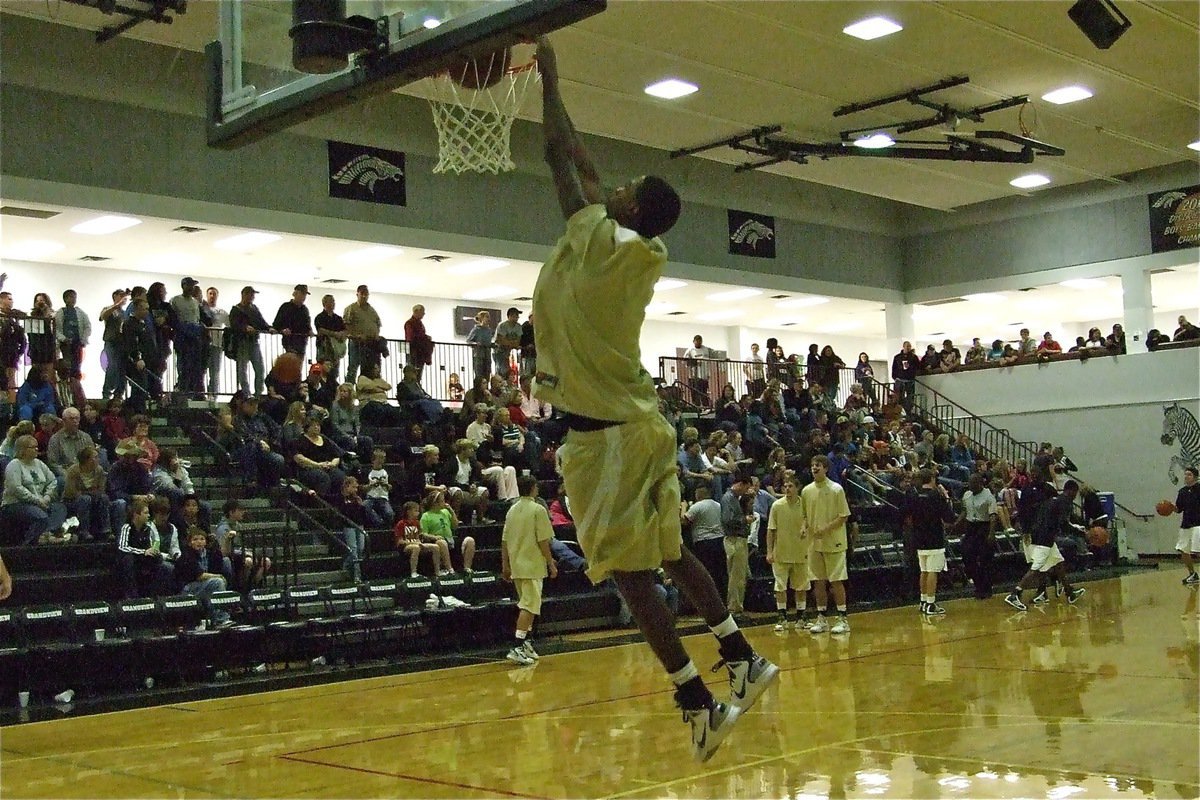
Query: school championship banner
{"points": [[367, 174], [751, 234], [1174, 219]]}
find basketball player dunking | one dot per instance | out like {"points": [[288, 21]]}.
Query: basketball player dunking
{"points": [[619, 456]]}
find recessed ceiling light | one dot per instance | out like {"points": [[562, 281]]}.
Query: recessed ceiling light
{"points": [[1084, 283], [489, 293], [734, 294], [984, 297], [109, 223], [431, 22], [660, 308], [872, 28], [667, 284], [245, 242], [671, 89], [875, 141], [1067, 94], [802, 302], [728, 313], [1031, 181], [1195, 145], [32, 248], [477, 265], [370, 255]]}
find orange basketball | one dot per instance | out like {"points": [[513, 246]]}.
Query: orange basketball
{"points": [[1165, 508], [481, 73], [1097, 536]]}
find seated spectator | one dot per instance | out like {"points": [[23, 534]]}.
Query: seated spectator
{"points": [[283, 384], [258, 434], [949, 358], [318, 460], [412, 395], [64, 446], [48, 425], [127, 481], [560, 514], [438, 520], [508, 440], [372, 391], [379, 490], [977, 353], [293, 427], [141, 435], [463, 481], [996, 352], [35, 397], [480, 430], [116, 427], [8, 448], [68, 389], [85, 494], [1048, 345], [1080, 346], [345, 422], [30, 511], [1095, 340], [454, 389], [168, 534], [1009, 356], [247, 569], [195, 574], [227, 436], [411, 542], [196, 513], [352, 535], [477, 395], [1186, 331], [321, 390], [91, 424], [170, 477], [501, 478], [142, 571]]}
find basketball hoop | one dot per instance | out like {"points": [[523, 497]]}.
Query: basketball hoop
{"points": [[474, 105]]}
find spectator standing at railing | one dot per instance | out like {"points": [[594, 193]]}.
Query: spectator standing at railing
{"points": [[164, 330], [216, 319], [294, 322], [480, 339], [246, 322], [35, 397], [864, 373], [976, 353], [831, 370], [362, 328], [1027, 346], [113, 317], [73, 330], [189, 340], [699, 356], [1115, 341], [1186, 331], [528, 348], [331, 336], [420, 343], [904, 374], [1048, 345], [12, 344], [508, 339], [39, 329]]}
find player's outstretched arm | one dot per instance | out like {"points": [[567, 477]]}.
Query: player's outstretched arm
{"points": [[559, 133]]}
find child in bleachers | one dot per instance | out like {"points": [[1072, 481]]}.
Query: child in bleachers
{"points": [[379, 488]]}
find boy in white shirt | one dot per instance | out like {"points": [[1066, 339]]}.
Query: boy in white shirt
{"points": [[379, 490]]}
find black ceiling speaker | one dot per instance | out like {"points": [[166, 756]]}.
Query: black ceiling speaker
{"points": [[1100, 21]]}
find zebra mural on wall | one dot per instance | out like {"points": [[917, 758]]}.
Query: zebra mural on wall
{"points": [[1179, 423]]}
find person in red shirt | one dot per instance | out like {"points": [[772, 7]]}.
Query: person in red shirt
{"points": [[1048, 345]]}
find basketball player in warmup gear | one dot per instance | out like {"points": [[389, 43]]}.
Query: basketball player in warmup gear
{"points": [[1187, 503], [618, 460], [1051, 516]]}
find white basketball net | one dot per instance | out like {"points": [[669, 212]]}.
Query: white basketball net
{"points": [[474, 125]]}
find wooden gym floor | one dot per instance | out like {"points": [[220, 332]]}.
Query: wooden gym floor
{"points": [[1095, 700]]}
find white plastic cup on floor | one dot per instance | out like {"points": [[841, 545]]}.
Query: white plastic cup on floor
{"points": [[99, 634], [23, 699], [525, 473], [65, 697]]}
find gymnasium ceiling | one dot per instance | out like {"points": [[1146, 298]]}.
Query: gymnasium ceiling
{"points": [[788, 63]]}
